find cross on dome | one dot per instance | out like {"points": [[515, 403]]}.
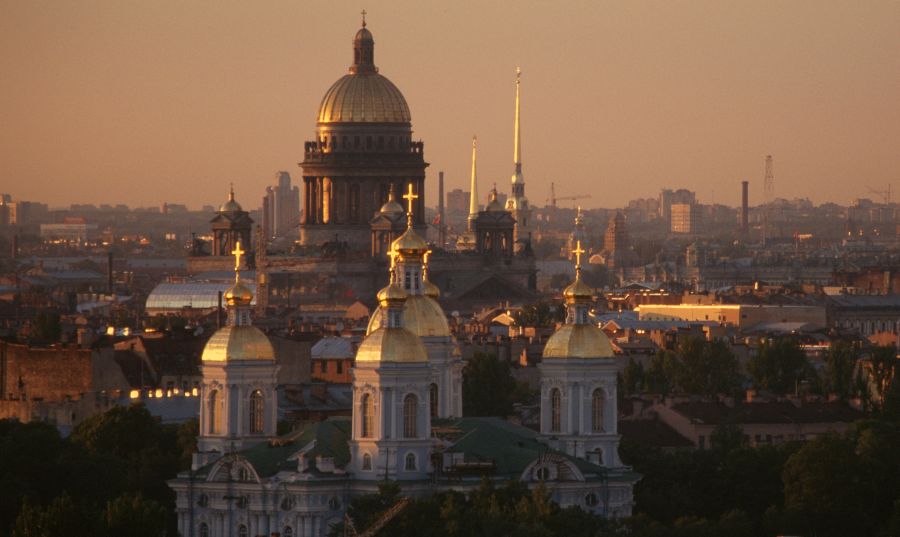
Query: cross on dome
{"points": [[410, 197], [237, 253], [578, 251], [363, 13]]}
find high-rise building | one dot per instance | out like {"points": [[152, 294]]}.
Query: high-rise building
{"points": [[281, 208], [685, 218], [458, 202]]}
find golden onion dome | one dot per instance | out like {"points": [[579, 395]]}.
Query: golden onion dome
{"points": [[391, 206], [397, 345], [238, 295], [431, 290], [410, 243], [578, 341], [243, 342], [422, 316], [578, 289], [363, 98], [391, 294]]}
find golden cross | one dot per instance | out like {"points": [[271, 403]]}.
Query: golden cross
{"points": [[410, 197], [363, 13], [578, 251], [393, 255], [237, 253]]}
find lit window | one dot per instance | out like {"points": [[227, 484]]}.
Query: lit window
{"points": [[216, 408], [368, 416]]}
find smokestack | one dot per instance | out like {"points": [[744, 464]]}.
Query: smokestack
{"points": [[745, 208], [109, 273], [441, 209]]}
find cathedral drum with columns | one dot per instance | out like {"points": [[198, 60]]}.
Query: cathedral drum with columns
{"points": [[363, 146]]}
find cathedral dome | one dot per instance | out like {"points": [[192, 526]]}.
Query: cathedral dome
{"points": [[391, 345], [422, 316], [238, 295], [578, 289], [578, 341], [363, 96], [242, 342], [230, 206], [410, 243]]}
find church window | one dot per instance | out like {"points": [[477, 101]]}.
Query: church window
{"points": [[333, 503], [288, 531], [368, 142], [410, 404], [242, 502], [555, 410], [287, 504], [367, 462], [542, 473], [368, 415], [406, 281], [216, 407], [203, 530], [242, 531], [381, 142], [243, 474], [433, 399], [410, 462], [356, 142], [203, 500], [591, 499], [597, 403], [257, 412]]}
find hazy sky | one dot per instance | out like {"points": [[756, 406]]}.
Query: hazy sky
{"points": [[144, 101]]}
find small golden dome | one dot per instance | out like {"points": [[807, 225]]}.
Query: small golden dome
{"points": [[397, 345], [410, 243], [431, 290], [363, 98], [494, 204], [578, 289], [578, 341], [238, 295], [422, 316], [244, 342], [393, 293]]}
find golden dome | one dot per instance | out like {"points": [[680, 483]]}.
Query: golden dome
{"points": [[422, 316], [494, 205], [244, 342], [238, 295], [392, 293], [431, 290], [363, 98], [578, 289], [391, 345], [410, 243], [578, 341]]}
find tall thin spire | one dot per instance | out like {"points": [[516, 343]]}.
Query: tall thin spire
{"points": [[473, 188], [517, 151]]}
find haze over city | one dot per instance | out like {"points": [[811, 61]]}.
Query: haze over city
{"points": [[145, 102]]}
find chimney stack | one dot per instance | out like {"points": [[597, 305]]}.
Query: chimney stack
{"points": [[745, 208]]}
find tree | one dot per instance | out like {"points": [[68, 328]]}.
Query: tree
{"points": [[839, 367], [632, 378], [778, 366], [488, 386], [704, 367], [540, 314], [656, 380], [821, 484], [46, 327], [135, 516], [883, 361]]}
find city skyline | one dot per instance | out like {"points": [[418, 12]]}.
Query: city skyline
{"points": [[627, 99]]}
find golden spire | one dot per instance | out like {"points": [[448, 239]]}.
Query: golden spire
{"points": [[230, 191], [473, 194], [517, 151]]}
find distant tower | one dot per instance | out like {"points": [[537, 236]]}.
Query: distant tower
{"points": [[442, 239], [473, 187], [517, 204], [745, 208], [769, 185]]}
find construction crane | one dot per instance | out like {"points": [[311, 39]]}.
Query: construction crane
{"points": [[350, 529], [553, 199], [885, 194]]}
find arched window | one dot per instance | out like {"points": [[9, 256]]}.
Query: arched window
{"points": [[367, 411], [410, 402], [433, 399], [555, 410], [203, 530], [216, 407], [242, 531], [597, 401], [367, 462], [257, 412], [410, 462], [288, 531]]}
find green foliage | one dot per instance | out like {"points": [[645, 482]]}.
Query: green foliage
{"points": [[778, 366], [703, 367], [655, 379], [135, 516], [540, 315], [839, 367], [632, 378], [489, 388]]}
